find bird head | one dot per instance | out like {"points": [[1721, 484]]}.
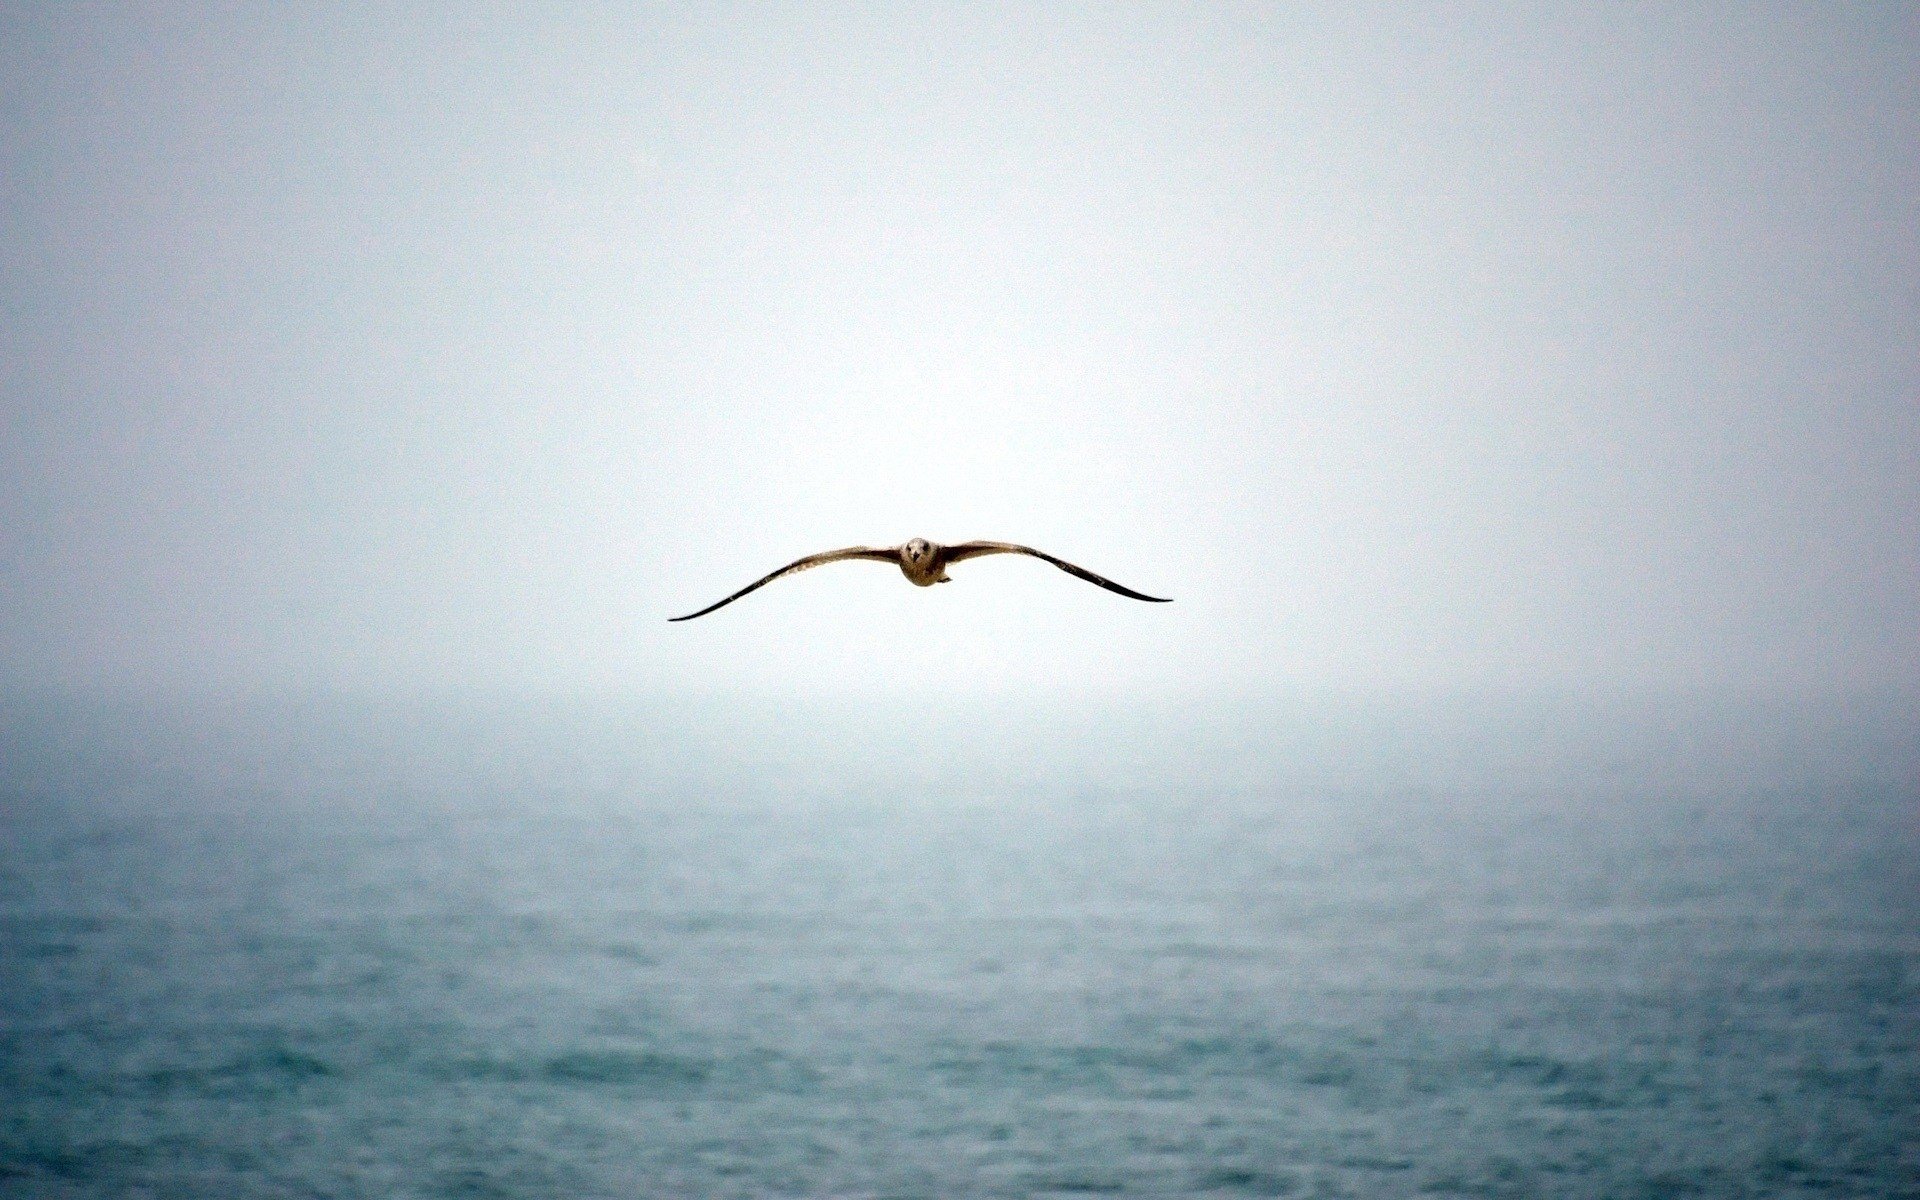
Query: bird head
{"points": [[918, 551]]}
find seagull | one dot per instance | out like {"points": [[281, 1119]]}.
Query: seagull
{"points": [[924, 564]]}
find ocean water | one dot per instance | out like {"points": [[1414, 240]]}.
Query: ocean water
{"points": [[291, 990]]}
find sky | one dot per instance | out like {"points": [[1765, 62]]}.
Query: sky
{"points": [[1415, 351]]}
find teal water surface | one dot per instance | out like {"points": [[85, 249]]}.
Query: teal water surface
{"points": [[259, 991]]}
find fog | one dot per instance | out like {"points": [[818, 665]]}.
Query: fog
{"points": [[1489, 360]]}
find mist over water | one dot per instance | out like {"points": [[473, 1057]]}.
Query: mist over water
{"points": [[933, 745]]}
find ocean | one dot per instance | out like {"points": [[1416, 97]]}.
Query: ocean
{"points": [[281, 988]]}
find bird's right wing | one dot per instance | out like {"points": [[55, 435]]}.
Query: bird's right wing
{"points": [[966, 550], [812, 560]]}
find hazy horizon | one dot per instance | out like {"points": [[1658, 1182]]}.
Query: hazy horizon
{"points": [[1431, 362]]}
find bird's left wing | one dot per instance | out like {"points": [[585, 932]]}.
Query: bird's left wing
{"points": [[966, 550], [801, 564]]}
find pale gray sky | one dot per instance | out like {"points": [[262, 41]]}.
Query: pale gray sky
{"points": [[1413, 350]]}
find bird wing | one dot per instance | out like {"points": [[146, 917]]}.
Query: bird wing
{"points": [[801, 564], [966, 550]]}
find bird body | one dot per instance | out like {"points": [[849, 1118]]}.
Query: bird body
{"points": [[924, 564]]}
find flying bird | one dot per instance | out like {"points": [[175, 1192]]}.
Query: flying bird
{"points": [[924, 564]]}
